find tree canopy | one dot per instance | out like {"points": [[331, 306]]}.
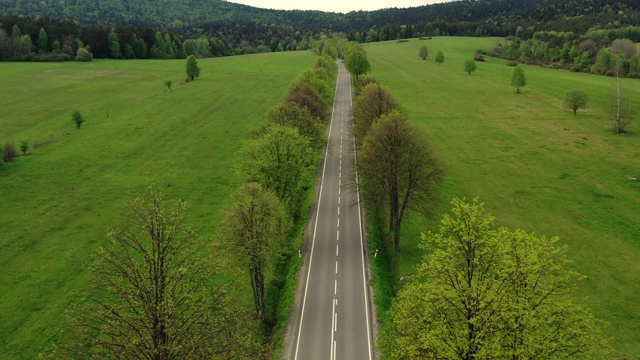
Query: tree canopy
{"points": [[518, 79], [192, 68], [487, 293], [575, 99]]}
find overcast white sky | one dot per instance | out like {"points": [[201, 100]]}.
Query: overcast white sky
{"points": [[343, 6]]}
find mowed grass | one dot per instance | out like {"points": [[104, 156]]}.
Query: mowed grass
{"points": [[59, 200], [534, 164]]}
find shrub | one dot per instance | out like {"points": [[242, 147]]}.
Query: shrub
{"points": [[24, 146], [83, 55], [77, 118], [555, 65], [9, 151], [403, 40], [478, 57], [512, 63]]}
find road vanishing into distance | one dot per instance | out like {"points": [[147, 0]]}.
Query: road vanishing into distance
{"points": [[333, 319]]}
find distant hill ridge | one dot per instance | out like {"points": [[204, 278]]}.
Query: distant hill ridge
{"points": [[190, 14]]}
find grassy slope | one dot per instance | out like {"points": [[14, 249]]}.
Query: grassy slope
{"points": [[58, 201], [535, 165]]}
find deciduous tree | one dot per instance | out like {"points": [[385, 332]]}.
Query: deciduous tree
{"points": [[43, 41], [424, 52], [439, 57], [168, 83], [254, 230], [518, 79], [152, 296], [77, 118], [282, 161], [299, 117], [306, 95], [357, 63], [373, 101], [114, 46], [192, 68], [486, 293], [575, 99], [397, 171], [469, 66]]}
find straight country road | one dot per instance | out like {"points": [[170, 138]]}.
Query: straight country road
{"points": [[332, 317]]}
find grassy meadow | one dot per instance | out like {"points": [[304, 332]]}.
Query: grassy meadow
{"points": [[534, 164], [59, 200]]}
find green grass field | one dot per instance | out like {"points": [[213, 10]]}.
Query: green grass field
{"points": [[535, 165], [59, 199]]}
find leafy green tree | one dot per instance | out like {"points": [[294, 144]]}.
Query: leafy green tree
{"points": [[24, 146], [27, 44], [282, 161], [397, 171], [83, 55], [77, 118], [518, 79], [357, 63], [253, 231], [298, 117], [128, 52], [439, 57], [469, 66], [139, 47], [486, 293], [152, 294], [373, 101], [16, 33], [192, 68], [424, 52], [306, 95], [168, 83], [114, 45], [43, 41], [575, 99]]}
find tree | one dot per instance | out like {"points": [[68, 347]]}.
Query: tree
{"points": [[397, 171], [77, 118], [357, 63], [282, 161], [24, 146], [575, 99], [43, 41], [373, 101], [439, 57], [620, 105], [469, 66], [8, 151], [486, 293], [192, 68], [152, 296], [83, 55], [306, 95], [299, 117], [114, 45], [168, 83], [518, 79], [424, 52], [253, 231], [139, 47], [624, 46]]}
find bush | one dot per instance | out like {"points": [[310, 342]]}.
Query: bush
{"points": [[9, 151], [512, 63], [576, 68], [77, 118], [83, 55], [478, 57], [481, 52], [555, 65], [24, 146]]}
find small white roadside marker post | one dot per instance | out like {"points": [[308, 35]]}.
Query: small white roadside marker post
{"points": [[376, 254]]}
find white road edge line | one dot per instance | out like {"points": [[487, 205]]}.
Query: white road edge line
{"points": [[315, 227]]}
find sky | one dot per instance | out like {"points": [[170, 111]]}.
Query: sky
{"points": [[343, 6]]}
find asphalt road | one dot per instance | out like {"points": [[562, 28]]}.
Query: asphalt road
{"points": [[334, 317]]}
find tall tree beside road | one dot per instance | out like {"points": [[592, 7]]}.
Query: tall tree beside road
{"points": [[373, 101], [397, 170], [486, 293], [254, 230], [356, 61], [282, 161], [152, 297]]}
